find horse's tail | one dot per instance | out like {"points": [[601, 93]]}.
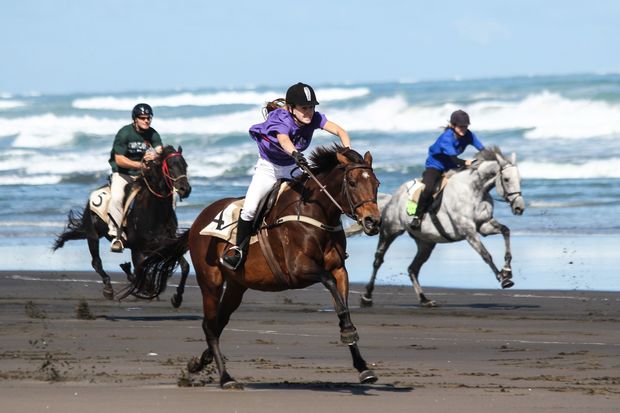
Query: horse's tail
{"points": [[355, 228], [151, 279], [74, 230]]}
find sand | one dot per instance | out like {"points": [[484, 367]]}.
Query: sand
{"points": [[64, 348]]}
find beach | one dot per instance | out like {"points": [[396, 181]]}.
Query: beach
{"points": [[66, 348]]}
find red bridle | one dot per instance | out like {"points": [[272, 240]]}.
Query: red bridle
{"points": [[167, 177]]}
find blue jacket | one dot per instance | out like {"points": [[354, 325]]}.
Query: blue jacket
{"points": [[447, 146]]}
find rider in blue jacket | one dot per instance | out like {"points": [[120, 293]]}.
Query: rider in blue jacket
{"points": [[443, 156]]}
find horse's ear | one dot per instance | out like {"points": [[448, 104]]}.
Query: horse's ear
{"points": [[180, 150], [513, 158], [368, 158], [502, 162], [342, 159]]}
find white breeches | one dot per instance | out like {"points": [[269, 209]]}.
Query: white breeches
{"points": [[118, 182], [265, 176]]}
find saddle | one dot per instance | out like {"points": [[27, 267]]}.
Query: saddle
{"points": [[415, 188], [224, 225], [99, 200]]}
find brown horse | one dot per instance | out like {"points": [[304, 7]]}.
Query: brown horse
{"points": [[299, 253]]}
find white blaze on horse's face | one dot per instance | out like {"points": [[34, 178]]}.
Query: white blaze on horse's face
{"points": [[365, 175]]}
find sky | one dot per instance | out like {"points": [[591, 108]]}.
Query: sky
{"points": [[86, 46]]}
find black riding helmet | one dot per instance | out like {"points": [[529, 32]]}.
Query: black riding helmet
{"points": [[301, 94], [141, 109], [459, 117]]}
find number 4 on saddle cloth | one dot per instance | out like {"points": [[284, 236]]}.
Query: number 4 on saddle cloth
{"points": [[224, 225]]}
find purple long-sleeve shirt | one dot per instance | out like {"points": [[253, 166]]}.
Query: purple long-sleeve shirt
{"points": [[281, 121]]}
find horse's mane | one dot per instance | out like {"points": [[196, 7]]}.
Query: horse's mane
{"points": [[324, 158], [487, 154]]}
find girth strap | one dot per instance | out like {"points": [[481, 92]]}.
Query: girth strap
{"points": [[440, 227], [307, 220], [263, 241]]}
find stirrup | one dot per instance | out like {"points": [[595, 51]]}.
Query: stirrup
{"points": [[117, 245], [232, 258], [415, 223]]}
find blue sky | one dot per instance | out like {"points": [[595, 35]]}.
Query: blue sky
{"points": [[69, 46]]}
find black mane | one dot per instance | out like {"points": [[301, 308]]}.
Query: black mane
{"points": [[324, 159]]}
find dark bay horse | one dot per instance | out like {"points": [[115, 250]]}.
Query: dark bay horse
{"points": [[150, 223], [465, 213], [301, 254]]}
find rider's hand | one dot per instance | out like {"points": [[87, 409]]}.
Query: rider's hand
{"points": [[149, 155], [300, 160]]}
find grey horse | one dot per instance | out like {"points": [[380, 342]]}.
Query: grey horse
{"points": [[465, 213]]}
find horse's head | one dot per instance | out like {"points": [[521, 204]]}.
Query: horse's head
{"points": [[508, 183], [174, 170], [167, 174], [359, 189]]}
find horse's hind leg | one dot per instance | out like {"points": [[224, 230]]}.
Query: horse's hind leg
{"points": [[493, 227], [93, 246], [385, 240], [424, 252], [348, 333], [177, 298]]}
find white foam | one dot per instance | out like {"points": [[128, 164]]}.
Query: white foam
{"points": [[208, 99], [544, 115], [11, 104], [30, 180], [604, 168]]}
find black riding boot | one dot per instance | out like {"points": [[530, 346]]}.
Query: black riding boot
{"points": [[236, 255]]}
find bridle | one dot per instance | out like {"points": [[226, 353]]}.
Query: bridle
{"points": [[168, 178], [506, 194], [345, 190]]}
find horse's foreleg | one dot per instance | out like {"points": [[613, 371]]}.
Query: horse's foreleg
{"points": [[177, 298], [385, 240], [493, 227], [93, 247], [424, 252], [217, 313], [477, 245], [338, 285]]}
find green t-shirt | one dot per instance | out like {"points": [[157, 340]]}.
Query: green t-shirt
{"points": [[133, 145]]}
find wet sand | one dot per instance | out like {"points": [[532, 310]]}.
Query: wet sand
{"points": [[482, 350]]}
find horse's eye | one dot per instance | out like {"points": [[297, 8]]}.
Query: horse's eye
{"points": [[506, 180], [352, 183]]}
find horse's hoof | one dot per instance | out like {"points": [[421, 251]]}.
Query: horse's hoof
{"points": [[429, 304], [507, 283], [232, 385], [108, 292], [349, 337], [368, 377], [176, 300], [194, 365], [365, 301]]}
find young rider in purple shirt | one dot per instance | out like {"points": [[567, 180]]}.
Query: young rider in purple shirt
{"points": [[443, 156], [281, 138]]}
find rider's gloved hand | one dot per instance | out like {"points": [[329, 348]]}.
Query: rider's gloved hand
{"points": [[300, 160]]}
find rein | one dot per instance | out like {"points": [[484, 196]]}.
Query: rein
{"points": [[344, 190], [169, 179]]}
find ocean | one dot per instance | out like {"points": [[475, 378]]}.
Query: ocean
{"points": [[565, 131]]}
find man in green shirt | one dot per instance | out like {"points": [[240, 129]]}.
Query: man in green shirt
{"points": [[133, 144]]}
